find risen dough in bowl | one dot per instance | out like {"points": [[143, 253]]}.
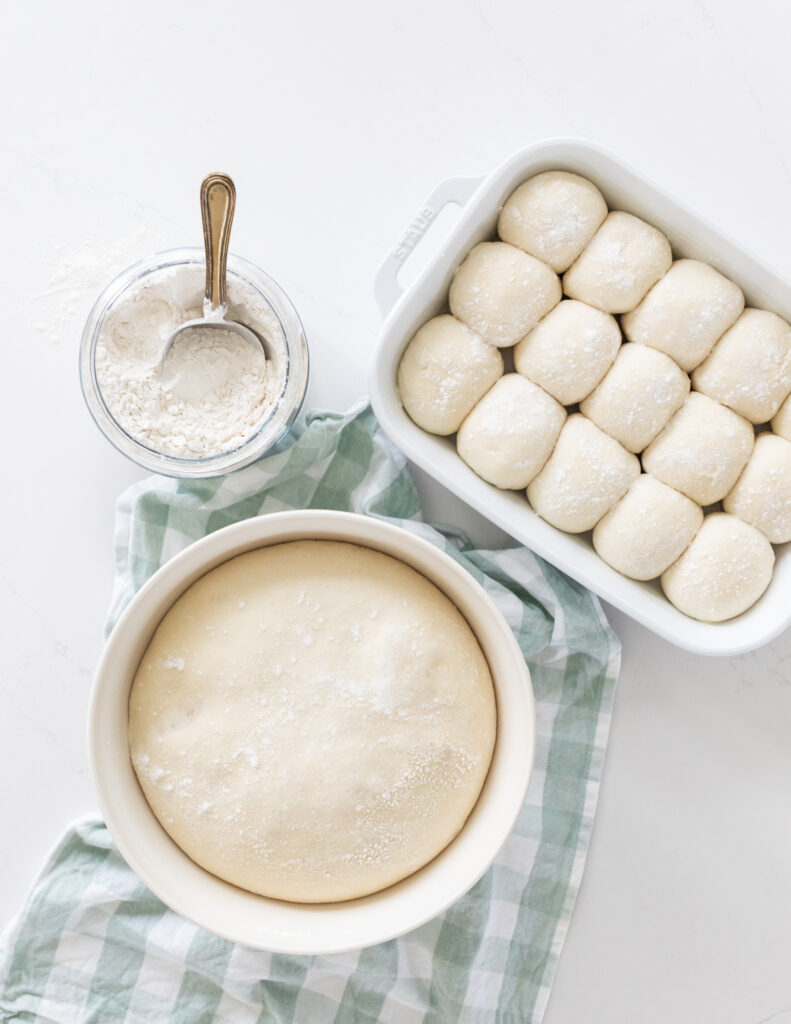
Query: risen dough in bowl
{"points": [[312, 721]]}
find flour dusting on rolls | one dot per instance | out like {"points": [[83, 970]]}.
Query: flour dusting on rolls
{"points": [[501, 292], [622, 261], [510, 433], [637, 397], [723, 572], [762, 494], [701, 451], [749, 369], [553, 216], [586, 474], [570, 351], [444, 371], [685, 312], [647, 530], [781, 421]]}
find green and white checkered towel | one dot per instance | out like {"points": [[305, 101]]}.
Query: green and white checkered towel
{"points": [[92, 944]]}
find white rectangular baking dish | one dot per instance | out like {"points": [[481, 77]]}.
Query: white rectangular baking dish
{"points": [[480, 200]]}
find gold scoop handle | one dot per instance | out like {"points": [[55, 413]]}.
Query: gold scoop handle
{"points": [[217, 203]]}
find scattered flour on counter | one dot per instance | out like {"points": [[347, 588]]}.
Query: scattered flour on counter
{"points": [[213, 391]]}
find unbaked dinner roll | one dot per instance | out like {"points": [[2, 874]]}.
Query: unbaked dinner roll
{"points": [[510, 433], [586, 474], [622, 261], [501, 292], [445, 369], [647, 530], [701, 451], [781, 422], [723, 572], [685, 312], [749, 369], [569, 352], [552, 216], [637, 397], [762, 495]]}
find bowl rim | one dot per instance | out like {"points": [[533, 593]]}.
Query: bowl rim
{"points": [[308, 929]]}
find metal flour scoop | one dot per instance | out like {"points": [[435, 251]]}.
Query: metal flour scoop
{"points": [[217, 202]]}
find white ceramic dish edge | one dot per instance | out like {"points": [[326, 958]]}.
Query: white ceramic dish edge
{"points": [[479, 200], [275, 925]]}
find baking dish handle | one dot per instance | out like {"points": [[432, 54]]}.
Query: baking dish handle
{"points": [[387, 290]]}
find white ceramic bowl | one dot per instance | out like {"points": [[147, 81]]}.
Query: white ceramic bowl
{"points": [[277, 925], [480, 200]]}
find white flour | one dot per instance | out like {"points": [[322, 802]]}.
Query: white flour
{"points": [[214, 389]]}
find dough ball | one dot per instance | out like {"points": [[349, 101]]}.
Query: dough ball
{"points": [[701, 451], [510, 433], [501, 292], [762, 495], [570, 351], [586, 474], [622, 261], [685, 312], [781, 422], [723, 572], [553, 216], [445, 369], [637, 397], [749, 369], [647, 530]]}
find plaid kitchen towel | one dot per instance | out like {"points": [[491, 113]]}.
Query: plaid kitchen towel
{"points": [[92, 944]]}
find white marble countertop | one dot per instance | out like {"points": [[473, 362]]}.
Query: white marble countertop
{"points": [[336, 120]]}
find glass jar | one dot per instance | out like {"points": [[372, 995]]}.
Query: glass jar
{"points": [[278, 419]]}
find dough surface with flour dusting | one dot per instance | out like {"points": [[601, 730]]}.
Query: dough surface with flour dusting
{"points": [[213, 391], [312, 721]]}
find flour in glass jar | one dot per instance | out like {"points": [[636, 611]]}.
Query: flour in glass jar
{"points": [[213, 391]]}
